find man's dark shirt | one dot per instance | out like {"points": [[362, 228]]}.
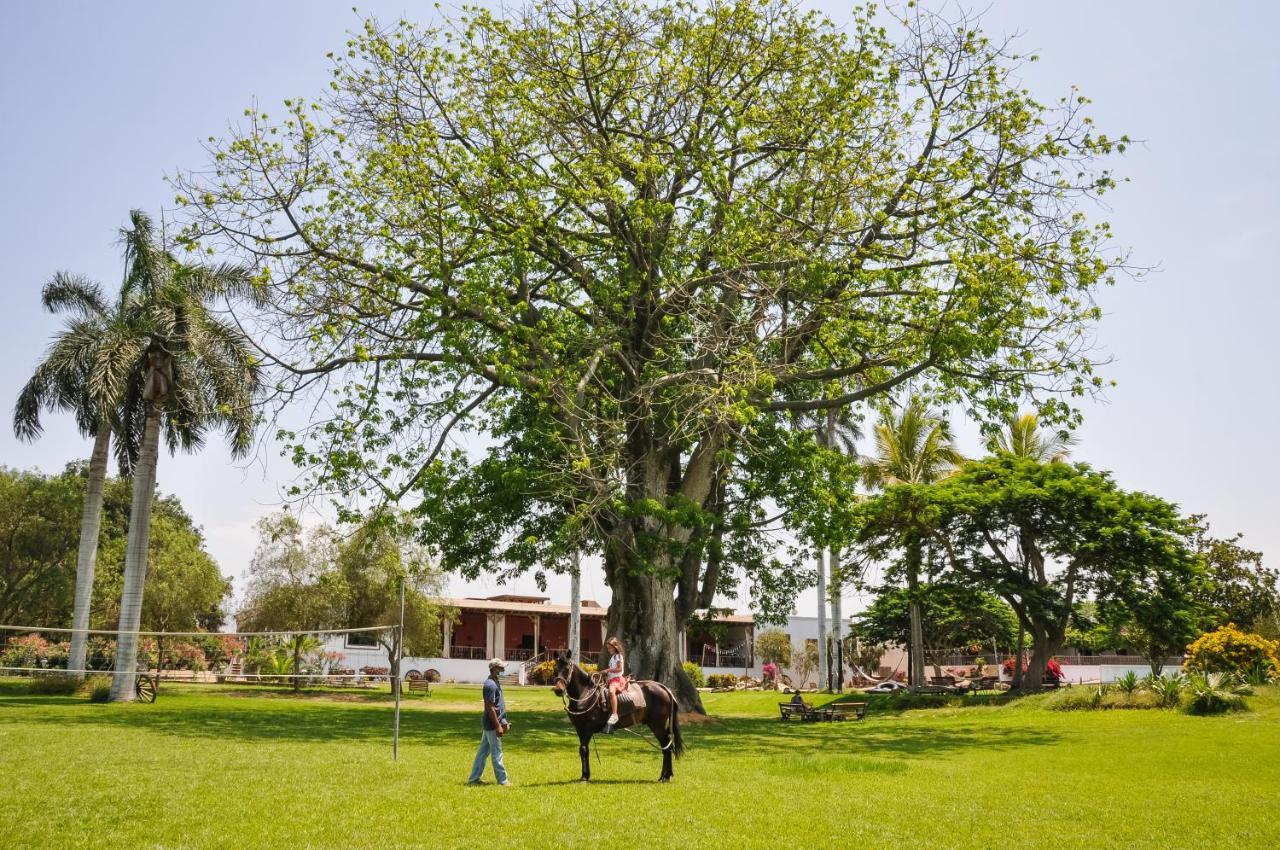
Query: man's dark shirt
{"points": [[493, 697]]}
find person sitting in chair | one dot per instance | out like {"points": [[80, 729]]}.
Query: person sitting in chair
{"points": [[797, 699], [615, 679]]}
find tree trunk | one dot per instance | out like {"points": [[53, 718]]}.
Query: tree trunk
{"points": [[1015, 680], [1033, 679], [643, 616], [87, 558], [824, 671], [297, 664], [837, 659], [575, 607], [916, 677], [135, 561]]}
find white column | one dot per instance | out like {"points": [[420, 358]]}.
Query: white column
{"points": [[500, 636], [836, 615], [537, 633], [575, 607], [822, 620]]}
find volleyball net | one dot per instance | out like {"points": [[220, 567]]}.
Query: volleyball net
{"points": [[314, 657]]}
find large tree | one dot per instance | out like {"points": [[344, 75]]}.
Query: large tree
{"points": [[642, 237], [190, 371]]}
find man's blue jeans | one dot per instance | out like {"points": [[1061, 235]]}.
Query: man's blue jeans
{"points": [[490, 745]]}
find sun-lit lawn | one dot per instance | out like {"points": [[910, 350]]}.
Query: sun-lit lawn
{"points": [[209, 767]]}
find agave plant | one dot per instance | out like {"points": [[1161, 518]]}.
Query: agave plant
{"points": [[1128, 683], [1215, 693], [1168, 689]]}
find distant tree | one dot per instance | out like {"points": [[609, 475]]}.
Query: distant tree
{"points": [[293, 583], [1022, 436], [1239, 588], [804, 660], [39, 520], [773, 647], [375, 563], [1041, 536], [955, 616]]}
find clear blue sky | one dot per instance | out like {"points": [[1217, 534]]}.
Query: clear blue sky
{"points": [[98, 101]]}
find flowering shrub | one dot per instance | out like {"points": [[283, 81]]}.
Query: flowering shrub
{"points": [[1052, 669], [1230, 650], [542, 673], [770, 671], [34, 651]]}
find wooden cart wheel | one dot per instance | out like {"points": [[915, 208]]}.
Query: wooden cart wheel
{"points": [[145, 687]]}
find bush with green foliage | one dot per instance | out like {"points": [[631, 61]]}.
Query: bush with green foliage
{"points": [[694, 672], [53, 684], [1076, 699], [1128, 683], [1230, 650], [1167, 689], [99, 688], [721, 680], [1129, 699], [773, 646], [1215, 693]]}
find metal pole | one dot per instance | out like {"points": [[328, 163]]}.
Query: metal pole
{"points": [[395, 738]]}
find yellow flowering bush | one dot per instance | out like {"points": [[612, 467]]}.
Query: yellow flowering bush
{"points": [[1230, 650]]}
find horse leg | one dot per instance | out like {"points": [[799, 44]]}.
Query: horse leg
{"points": [[663, 737], [584, 752]]}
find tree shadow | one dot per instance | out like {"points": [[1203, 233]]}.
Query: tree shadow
{"points": [[536, 731]]}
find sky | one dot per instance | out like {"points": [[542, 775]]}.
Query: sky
{"points": [[98, 102]]}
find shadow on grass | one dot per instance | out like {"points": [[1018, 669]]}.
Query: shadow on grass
{"points": [[537, 731]]}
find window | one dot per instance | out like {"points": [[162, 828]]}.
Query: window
{"points": [[362, 640]]}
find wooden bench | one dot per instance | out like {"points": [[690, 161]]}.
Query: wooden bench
{"points": [[419, 683], [845, 710], [804, 711]]}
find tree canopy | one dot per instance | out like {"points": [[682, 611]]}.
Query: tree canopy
{"points": [[623, 244]]}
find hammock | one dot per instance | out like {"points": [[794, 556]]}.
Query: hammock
{"points": [[863, 674]]}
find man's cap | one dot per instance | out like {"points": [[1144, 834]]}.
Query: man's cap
{"points": [[496, 662]]}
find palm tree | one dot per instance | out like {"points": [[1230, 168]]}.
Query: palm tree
{"points": [[913, 446], [1023, 437], [835, 430], [82, 373], [196, 372]]}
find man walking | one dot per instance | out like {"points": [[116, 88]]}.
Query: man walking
{"points": [[495, 725]]}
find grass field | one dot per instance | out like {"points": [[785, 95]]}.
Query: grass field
{"points": [[208, 767]]}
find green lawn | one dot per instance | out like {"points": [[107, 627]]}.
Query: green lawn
{"points": [[205, 767]]}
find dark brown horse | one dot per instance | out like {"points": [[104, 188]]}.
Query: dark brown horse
{"points": [[588, 709]]}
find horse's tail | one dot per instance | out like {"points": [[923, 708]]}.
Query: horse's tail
{"points": [[677, 742]]}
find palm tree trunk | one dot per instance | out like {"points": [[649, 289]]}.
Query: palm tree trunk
{"points": [[135, 560], [837, 650], [916, 678], [824, 673], [87, 558]]}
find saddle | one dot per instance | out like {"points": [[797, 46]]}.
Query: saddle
{"points": [[631, 700]]}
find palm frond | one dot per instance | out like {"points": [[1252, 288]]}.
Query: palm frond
{"points": [[76, 294]]}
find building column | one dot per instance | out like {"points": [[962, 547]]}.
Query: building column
{"points": [[500, 636], [490, 635], [448, 637], [537, 633], [604, 632]]}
